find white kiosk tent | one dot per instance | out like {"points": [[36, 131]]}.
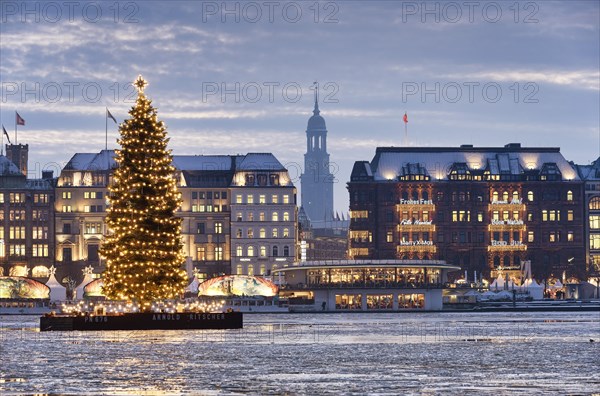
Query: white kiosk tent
{"points": [[87, 278], [57, 291]]}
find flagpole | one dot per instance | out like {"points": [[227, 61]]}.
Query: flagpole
{"points": [[16, 123]]}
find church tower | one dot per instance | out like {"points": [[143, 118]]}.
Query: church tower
{"points": [[317, 181]]}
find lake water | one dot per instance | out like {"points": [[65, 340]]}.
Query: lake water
{"points": [[430, 354]]}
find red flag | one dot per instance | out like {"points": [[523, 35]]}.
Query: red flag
{"points": [[405, 118], [19, 119]]}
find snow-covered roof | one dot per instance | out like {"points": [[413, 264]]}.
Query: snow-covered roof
{"points": [[8, 168], [203, 162], [258, 161], [589, 172], [103, 160], [512, 159]]}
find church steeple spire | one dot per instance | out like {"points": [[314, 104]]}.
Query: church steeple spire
{"points": [[316, 109]]}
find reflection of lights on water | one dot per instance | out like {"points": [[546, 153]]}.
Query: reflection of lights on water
{"points": [[121, 307]]}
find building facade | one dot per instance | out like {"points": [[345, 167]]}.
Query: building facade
{"points": [[317, 180], [590, 174], [215, 190], [26, 211], [264, 218], [484, 209]]}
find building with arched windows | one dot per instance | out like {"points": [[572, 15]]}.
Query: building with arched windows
{"points": [[486, 209]]}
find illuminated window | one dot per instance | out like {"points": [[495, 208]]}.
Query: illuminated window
{"points": [[201, 253], [238, 233], [529, 216], [239, 270], [1, 201], [218, 228], [286, 216], [238, 198], [250, 270], [16, 215], [595, 222], [552, 236], [544, 215], [17, 197], [40, 250], [570, 236], [530, 196], [286, 232], [569, 195], [569, 215], [66, 195], [594, 203], [67, 209], [250, 199], [239, 251], [262, 199], [505, 196], [17, 232], [261, 216], [239, 216], [275, 216], [93, 228], [530, 236], [263, 269], [495, 196], [480, 217], [515, 196], [250, 233], [262, 233], [286, 199], [274, 233], [263, 251], [595, 241], [274, 198], [389, 237], [251, 216], [17, 250], [250, 251], [461, 215], [219, 253]]}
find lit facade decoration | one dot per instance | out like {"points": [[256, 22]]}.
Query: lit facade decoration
{"points": [[485, 209], [26, 214], [237, 285], [13, 287]]}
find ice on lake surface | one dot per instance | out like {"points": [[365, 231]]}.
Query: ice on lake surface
{"points": [[377, 353]]}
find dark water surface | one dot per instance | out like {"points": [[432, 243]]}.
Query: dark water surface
{"points": [[391, 353]]}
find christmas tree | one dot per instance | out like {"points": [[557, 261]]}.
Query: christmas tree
{"points": [[143, 249]]}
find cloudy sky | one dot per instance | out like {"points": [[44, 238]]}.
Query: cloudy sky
{"points": [[235, 77]]}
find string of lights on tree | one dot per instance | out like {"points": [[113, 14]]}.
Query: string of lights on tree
{"points": [[143, 249]]}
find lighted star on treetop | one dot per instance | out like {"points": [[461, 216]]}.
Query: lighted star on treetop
{"points": [[140, 83]]}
